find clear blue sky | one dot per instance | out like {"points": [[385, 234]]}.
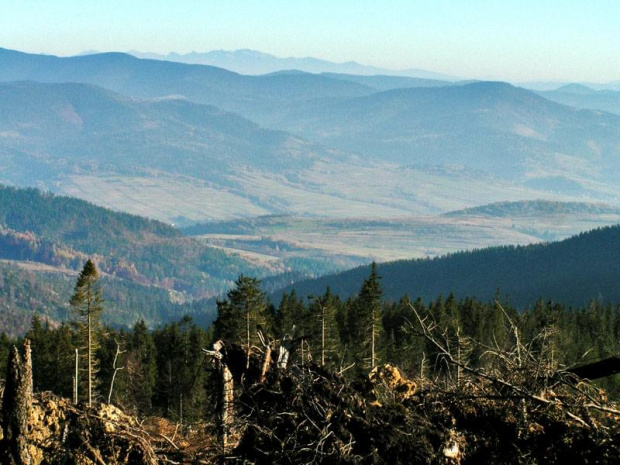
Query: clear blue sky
{"points": [[512, 40]]}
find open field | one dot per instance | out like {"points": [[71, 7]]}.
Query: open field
{"points": [[328, 190], [386, 239]]}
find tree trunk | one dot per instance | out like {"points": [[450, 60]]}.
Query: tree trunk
{"points": [[247, 332], [90, 363], [372, 345], [322, 335], [76, 377], [116, 370], [284, 352], [227, 412], [266, 361], [16, 408], [228, 405]]}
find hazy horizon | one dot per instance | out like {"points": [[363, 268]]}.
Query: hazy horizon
{"points": [[567, 41]]}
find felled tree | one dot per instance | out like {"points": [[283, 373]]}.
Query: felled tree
{"points": [[87, 305]]}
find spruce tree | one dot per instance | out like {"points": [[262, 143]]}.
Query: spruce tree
{"points": [[38, 335], [240, 315], [365, 320], [324, 328], [87, 305], [142, 358]]}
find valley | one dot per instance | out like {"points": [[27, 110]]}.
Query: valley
{"points": [[188, 144], [354, 241]]}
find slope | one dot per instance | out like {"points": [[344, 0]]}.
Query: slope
{"points": [[572, 271], [83, 140], [381, 82], [81, 125], [142, 156], [420, 150]]}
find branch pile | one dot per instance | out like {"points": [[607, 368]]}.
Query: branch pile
{"points": [[515, 407], [309, 415]]}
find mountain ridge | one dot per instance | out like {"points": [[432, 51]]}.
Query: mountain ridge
{"points": [[246, 61]]}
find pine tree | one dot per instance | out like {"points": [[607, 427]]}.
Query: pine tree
{"points": [[63, 360], [291, 314], [87, 305]]}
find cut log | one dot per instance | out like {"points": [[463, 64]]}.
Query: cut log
{"points": [[601, 369]]}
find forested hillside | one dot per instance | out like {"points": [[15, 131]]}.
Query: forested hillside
{"points": [[573, 271], [27, 288], [172, 352], [147, 265]]}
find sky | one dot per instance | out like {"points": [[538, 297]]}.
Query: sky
{"points": [[518, 41]]}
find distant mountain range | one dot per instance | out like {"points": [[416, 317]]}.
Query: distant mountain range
{"points": [[338, 145], [169, 159], [581, 96], [125, 74], [254, 62], [354, 156], [574, 271]]}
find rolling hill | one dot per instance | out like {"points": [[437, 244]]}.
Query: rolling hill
{"points": [[64, 135], [382, 83], [84, 126], [142, 156], [350, 242], [535, 209], [492, 127], [573, 272]]}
